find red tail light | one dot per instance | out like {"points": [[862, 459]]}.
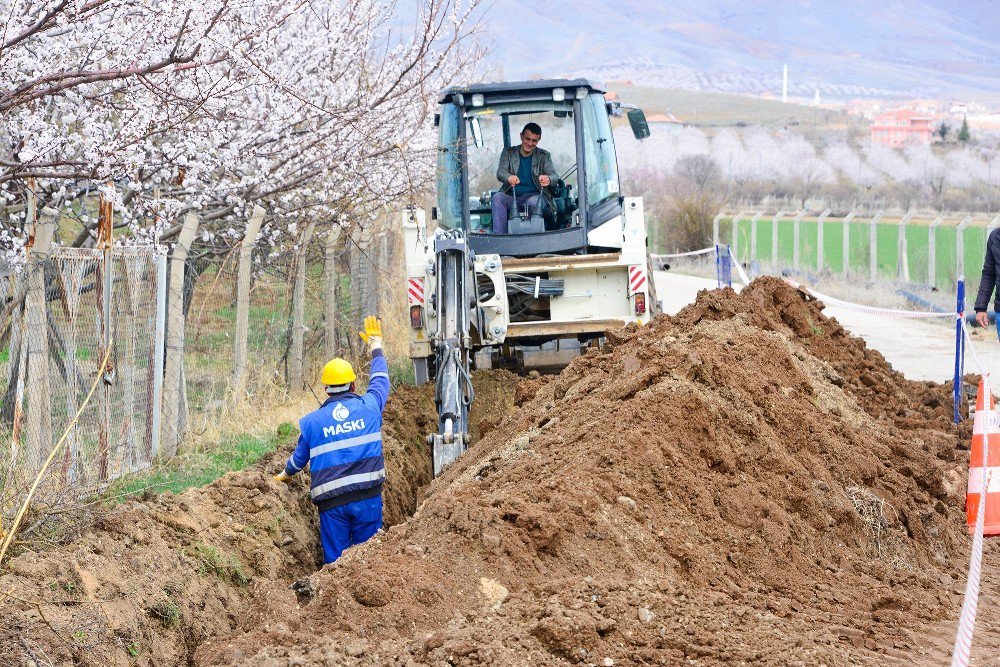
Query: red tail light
{"points": [[417, 316], [640, 303]]}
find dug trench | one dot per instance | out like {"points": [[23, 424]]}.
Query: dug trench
{"points": [[158, 576], [743, 483]]}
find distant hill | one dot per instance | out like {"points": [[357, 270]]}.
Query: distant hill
{"points": [[843, 49]]}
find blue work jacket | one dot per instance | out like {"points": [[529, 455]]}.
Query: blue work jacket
{"points": [[342, 443]]}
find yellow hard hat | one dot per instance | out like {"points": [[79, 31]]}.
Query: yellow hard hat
{"points": [[337, 372]]}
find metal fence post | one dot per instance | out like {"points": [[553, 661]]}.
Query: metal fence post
{"points": [[158, 346], [753, 236], [959, 347]]}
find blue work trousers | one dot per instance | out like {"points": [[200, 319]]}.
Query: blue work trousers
{"points": [[347, 525]]}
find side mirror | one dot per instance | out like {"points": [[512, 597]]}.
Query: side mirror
{"points": [[437, 120], [477, 131], [434, 212], [637, 119]]}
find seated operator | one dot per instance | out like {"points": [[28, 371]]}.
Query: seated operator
{"points": [[527, 171]]}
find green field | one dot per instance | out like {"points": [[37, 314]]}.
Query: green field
{"points": [[887, 255]]}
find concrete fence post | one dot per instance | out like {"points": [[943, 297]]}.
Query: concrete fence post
{"points": [[295, 355], [715, 228], [753, 235], [960, 246], [873, 246], [820, 242], [902, 250], [174, 393], [846, 240], [734, 242], [159, 344], [242, 331], [774, 237], [796, 237], [330, 280], [932, 250], [38, 429]]}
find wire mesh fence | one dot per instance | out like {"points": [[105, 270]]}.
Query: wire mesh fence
{"points": [[68, 309], [189, 341]]}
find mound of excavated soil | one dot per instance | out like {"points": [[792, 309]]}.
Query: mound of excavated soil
{"points": [[156, 578], [743, 483]]}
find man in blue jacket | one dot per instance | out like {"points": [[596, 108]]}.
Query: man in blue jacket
{"points": [[342, 443]]}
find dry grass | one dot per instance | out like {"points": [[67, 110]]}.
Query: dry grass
{"points": [[881, 522]]}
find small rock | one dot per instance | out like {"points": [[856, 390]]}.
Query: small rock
{"points": [[355, 650], [494, 592], [608, 662], [413, 549], [645, 615], [627, 502], [372, 593], [522, 442]]}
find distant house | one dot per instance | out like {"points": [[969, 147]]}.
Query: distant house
{"points": [[902, 127], [668, 121]]}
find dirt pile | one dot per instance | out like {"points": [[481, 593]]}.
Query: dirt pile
{"points": [[157, 577], [743, 483]]}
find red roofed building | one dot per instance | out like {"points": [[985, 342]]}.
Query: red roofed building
{"points": [[902, 127]]}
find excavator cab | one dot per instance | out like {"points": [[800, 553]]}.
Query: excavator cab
{"points": [[541, 294], [476, 123]]}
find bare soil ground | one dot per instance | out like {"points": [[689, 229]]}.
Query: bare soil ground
{"points": [[741, 484]]}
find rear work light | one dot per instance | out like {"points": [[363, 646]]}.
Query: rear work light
{"points": [[640, 303], [417, 316]]}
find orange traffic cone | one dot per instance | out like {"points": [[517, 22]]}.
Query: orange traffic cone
{"points": [[977, 470]]}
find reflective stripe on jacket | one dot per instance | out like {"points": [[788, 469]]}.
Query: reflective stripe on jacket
{"points": [[342, 440]]}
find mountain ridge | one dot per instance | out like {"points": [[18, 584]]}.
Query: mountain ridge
{"points": [[850, 49]]}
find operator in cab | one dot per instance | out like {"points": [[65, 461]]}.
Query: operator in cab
{"points": [[527, 173]]}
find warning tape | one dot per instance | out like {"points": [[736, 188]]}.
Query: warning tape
{"points": [[962, 651], [739, 268], [703, 251], [861, 308]]}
